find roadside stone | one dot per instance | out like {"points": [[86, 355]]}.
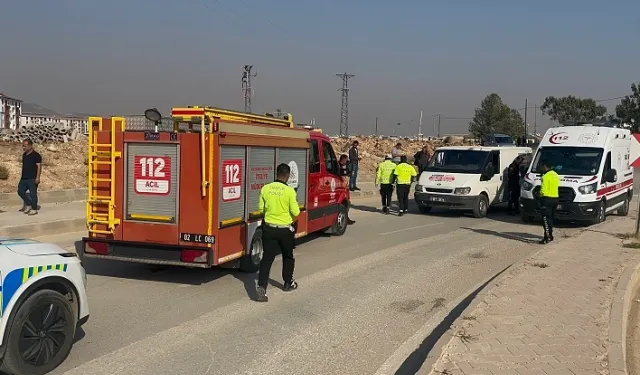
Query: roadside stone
{"points": [[547, 320]]}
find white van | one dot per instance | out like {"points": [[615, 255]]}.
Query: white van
{"points": [[595, 170], [466, 178]]}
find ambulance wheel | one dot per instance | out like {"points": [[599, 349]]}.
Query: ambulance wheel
{"points": [[481, 207], [424, 209], [340, 226], [601, 215], [250, 263], [40, 335], [624, 209]]}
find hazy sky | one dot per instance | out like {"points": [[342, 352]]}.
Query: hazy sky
{"points": [[121, 57]]}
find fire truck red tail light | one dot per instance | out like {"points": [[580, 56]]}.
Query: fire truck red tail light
{"points": [[194, 256], [99, 248]]}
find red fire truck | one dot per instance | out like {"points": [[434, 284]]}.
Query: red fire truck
{"points": [[185, 191]]}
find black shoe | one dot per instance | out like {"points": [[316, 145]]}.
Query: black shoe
{"points": [[385, 210], [352, 189], [357, 188], [550, 238], [290, 286], [262, 294], [401, 213], [543, 241]]}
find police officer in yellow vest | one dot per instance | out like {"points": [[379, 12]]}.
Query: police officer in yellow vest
{"points": [[280, 207], [548, 200], [405, 173], [384, 179]]}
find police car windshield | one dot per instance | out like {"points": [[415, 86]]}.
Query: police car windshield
{"points": [[457, 161], [503, 140], [568, 161]]}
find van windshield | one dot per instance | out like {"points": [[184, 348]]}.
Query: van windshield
{"points": [[578, 161], [457, 161]]}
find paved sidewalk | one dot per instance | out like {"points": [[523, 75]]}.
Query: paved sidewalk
{"points": [[549, 315]]}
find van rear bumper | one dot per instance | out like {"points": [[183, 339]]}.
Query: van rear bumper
{"points": [[455, 202], [565, 211]]}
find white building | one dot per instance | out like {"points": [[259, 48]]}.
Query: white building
{"points": [[10, 111], [35, 115]]}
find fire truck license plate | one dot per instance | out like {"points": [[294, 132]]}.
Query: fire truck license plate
{"points": [[199, 238]]}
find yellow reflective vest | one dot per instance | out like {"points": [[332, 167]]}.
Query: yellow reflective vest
{"points": [[385, 172], [404, 172], [550, 184], [278, 203]]}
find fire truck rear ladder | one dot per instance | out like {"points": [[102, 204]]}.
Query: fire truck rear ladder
{"points": [[102, 154]]}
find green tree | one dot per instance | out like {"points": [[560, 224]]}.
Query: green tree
{"points": [[571, 108], [629, 107], [493, 116]]}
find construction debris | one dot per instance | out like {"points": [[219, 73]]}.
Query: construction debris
{"points": [[53, 132]]}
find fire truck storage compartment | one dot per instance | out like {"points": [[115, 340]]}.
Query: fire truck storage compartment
{"points": [[152, 182], [297, 159], [261, 171], [231, 209]]}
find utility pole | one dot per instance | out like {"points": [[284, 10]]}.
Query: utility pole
{"points": [[344, 113], [420, 128], [526, 110], [376, 126], [439, 115], [535, 119], [246, 86]]}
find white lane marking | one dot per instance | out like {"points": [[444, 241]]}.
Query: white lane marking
{"points": [[410, 228]]}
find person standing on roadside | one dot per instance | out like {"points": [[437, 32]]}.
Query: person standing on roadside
{"points": [[405, 174], [384, 179], [513, 186], [279, 205], [396, 152], [548, 200], [354, 159], [421, 158], [30, 179], [345, 172]]}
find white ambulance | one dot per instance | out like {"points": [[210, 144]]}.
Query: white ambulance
{"points": [[595, 170], [466, 178]]}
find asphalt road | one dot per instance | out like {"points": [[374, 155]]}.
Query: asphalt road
{"points": [[361, 297]]}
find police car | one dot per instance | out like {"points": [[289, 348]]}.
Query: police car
{"points": [[42, 301]]}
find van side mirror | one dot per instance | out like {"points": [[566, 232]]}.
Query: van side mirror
{"points": [[611, 175]]}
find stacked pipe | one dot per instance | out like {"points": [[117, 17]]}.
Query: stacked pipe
{"points": [[53, 132]]}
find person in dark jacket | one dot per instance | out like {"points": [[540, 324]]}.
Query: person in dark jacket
{"points": [[354, 159], [513, 186], [421, 159], [345, 173]]}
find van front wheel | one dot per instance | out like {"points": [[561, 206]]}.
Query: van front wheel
{"points": [[482, 206]]}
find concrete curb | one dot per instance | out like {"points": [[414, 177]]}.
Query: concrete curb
{"points": [[45, 228], [76, 195], [47, 196], [618, 319]]}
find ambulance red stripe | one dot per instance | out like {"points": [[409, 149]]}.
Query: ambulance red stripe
{"points": [[614, 189]]}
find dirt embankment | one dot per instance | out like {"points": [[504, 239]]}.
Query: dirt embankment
{"points": [[64, 164]]}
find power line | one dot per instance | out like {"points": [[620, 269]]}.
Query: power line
{"points": [[344, 113]]}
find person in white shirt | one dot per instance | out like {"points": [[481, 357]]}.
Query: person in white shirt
{"points": [[396, 152]]}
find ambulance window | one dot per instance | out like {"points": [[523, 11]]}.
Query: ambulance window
{"points": [[330, 161], [314, 157], [607, 163]]}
